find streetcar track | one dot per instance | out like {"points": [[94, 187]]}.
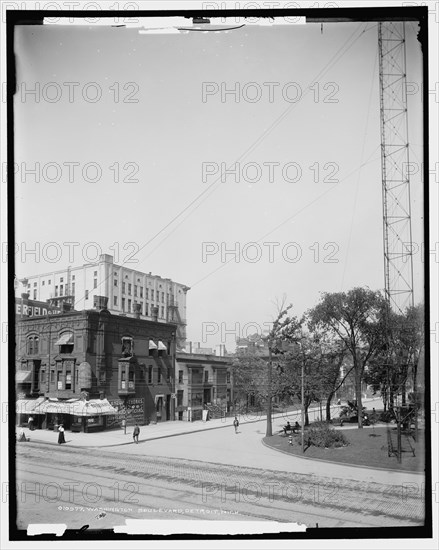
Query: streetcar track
{"points": [[196, 481], [277, 511]]}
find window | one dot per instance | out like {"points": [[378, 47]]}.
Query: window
{"points": [[127, 346], [95, 274], [43, 283], [129, 306], [115, 282], [163, 297], [68, 380], [114, 300], [157, 295], [146, 310], [149, 375], [129, 288], [131, 379], [95, 283], [86, 294], [123, 304], [73, 277], [56, 291], [159, 377], [123, 288], [180, 377], [49, 282], [168, 375], [135, 290], [179, 398], [141, 292], [228, 378], [147, 293], [35, 293], [163, 312], [59, 380], [61, 290], [52, 376], [61, 280], [32, 345], [206, 376], [73, 289], [66, 342]]}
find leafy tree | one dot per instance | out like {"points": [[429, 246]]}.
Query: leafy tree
{"points": [[395, 364], [356, 318], [306, 354], [333, 354]]}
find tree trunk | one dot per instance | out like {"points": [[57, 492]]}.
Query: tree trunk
{"points": [[358, 370], [328, 407]]}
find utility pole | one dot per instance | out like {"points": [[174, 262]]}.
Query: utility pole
{"points": [[269, 432], [303, 399]]}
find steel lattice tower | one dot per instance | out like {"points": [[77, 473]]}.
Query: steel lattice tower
{"points": [[397, 231]]}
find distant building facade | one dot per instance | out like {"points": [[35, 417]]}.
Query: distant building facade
{"points": [[202, 383], [120, 368], [130, 292]]}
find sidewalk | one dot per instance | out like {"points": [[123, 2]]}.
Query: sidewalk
{"points": [[162, 430]]}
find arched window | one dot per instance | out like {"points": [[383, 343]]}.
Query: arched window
{"points": [[65, 342], [127, 346], [32, 345]]}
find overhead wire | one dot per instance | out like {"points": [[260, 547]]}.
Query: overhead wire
{"points": [[212, 187], [359, 172]]}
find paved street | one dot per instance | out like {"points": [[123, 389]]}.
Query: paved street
{"points": [[64, 485], [213, 474]]}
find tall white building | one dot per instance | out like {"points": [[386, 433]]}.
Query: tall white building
{"points": [[129, 292]]}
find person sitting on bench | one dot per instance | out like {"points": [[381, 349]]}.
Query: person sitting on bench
{"points": [[287, 428], [296, 427]]}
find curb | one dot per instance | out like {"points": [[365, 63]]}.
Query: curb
{"points": [[342, 463], [153, 438]]}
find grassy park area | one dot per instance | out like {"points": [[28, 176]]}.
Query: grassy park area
{"points": [[367, 447]]}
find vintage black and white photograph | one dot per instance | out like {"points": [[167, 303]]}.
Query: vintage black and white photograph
{"points": [[219, 252]]}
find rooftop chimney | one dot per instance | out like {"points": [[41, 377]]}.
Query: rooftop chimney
{"points": [[137, 310], [155, 313]]}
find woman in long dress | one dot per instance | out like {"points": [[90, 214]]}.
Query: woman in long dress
{"points": [[61, 438]]}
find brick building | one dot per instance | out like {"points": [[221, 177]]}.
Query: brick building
{"points": [[91, 369]]}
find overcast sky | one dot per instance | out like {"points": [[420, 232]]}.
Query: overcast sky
{"points": [[174, 139]]}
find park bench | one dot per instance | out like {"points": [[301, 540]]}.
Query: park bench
{"points": [[291, 429]]}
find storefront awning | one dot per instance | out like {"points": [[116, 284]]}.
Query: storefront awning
{"points": [[152, 344], [27, 406], [22, 376], [93, 407], [65, 339], [162, 346]]}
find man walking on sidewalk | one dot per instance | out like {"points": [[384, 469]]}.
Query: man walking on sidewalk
{"points": [[136, 433], [236, 424]]}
